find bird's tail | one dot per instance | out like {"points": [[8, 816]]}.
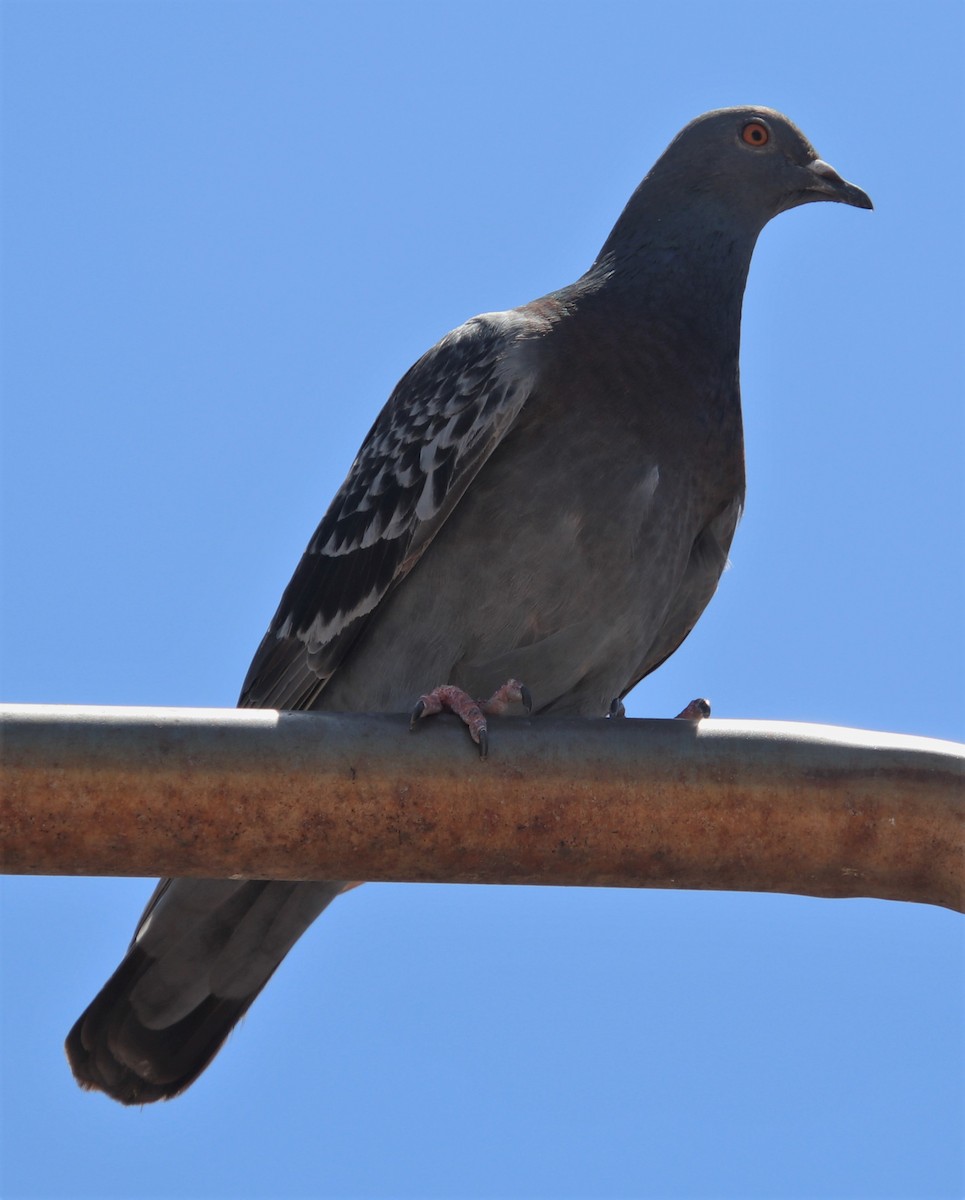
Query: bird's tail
{"points": [[202, 952]]}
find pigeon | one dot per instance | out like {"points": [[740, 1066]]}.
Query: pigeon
{"points": [[548, 497]]}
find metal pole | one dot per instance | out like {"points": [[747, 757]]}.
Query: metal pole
{"points": [[732, 805]]}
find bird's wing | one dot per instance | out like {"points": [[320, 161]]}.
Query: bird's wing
{"points": [[443, 420]]}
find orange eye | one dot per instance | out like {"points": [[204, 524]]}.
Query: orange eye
{"points": [[755, 134]]}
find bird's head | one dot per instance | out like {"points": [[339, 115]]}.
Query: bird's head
{"points": [[711, 192], [755, 161]]}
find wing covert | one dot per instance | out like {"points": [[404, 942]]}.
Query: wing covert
{"points": [[444, 418]]}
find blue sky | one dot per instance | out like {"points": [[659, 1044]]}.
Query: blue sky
{"points": [[228, 230]]}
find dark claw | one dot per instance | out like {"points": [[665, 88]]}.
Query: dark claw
{"points": [[526, 697], [483, 743], [417, 713]]}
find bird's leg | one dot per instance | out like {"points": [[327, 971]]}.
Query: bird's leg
{"points": [[472, 712]]}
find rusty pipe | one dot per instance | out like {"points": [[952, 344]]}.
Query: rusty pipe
{"points": [[732, 805]]}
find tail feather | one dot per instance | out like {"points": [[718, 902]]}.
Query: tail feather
{"points": [[201, 955]]}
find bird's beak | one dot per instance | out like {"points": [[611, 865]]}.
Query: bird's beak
{"points": [[824, 183]]}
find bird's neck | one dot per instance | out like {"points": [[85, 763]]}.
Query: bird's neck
{"points": [[686, 253]]}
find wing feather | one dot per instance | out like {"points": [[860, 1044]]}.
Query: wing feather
{"points": [[443, 420]]}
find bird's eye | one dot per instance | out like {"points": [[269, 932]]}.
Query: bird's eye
{"points": [[755, 133]]}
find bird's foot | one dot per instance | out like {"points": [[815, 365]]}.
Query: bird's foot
{"points": [[696, 710], [472, 713]]}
